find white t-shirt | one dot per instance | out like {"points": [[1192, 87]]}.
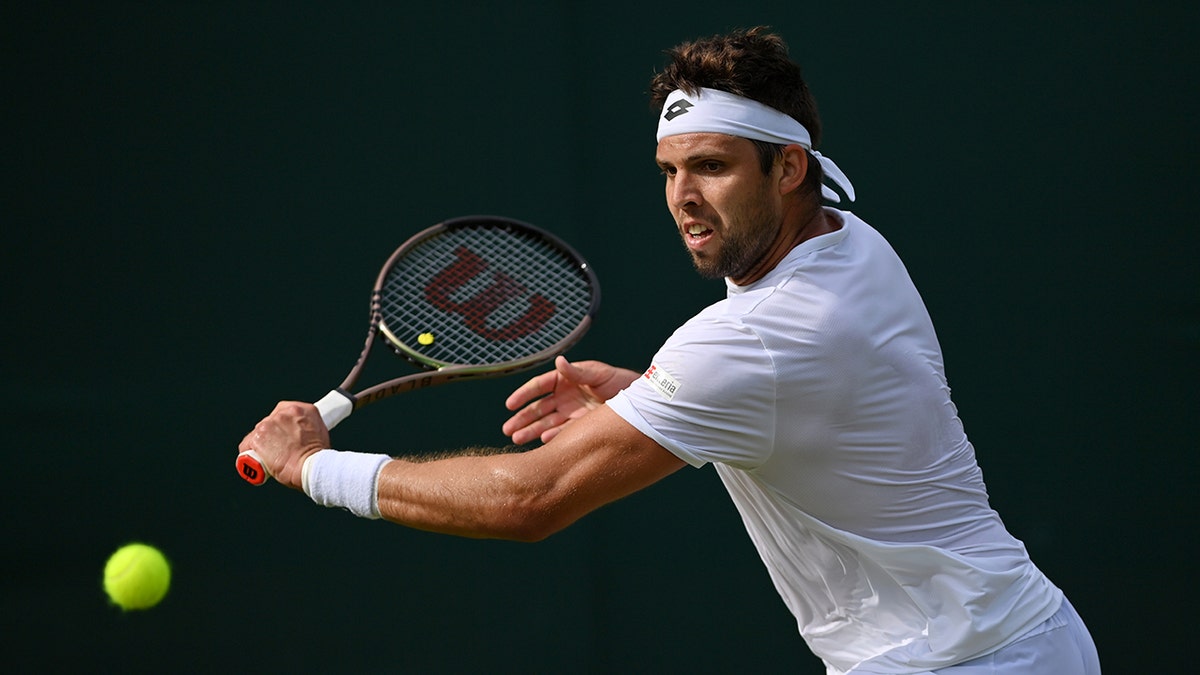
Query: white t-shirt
{"points": [[820, 396]]}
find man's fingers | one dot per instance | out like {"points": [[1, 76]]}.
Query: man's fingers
{"points": [[538, 429], [532, 389], [526, 416], [565, 367], [582, 372]]}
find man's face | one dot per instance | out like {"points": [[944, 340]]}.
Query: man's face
{"points": [[726, 209]]}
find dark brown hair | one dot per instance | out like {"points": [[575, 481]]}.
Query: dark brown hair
{"points": [[752, 63]]}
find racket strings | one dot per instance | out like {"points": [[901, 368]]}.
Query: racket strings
{"points": [[484, 295]]}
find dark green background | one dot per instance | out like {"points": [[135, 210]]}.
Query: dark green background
{"points": [[197, 197]]}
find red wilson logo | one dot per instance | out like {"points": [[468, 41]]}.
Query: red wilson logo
{"points": [[476, 310]]}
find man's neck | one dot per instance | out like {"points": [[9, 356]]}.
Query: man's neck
{"points": [[803, 219]]}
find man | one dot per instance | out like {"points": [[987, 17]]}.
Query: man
{"points": [[815, 388]]}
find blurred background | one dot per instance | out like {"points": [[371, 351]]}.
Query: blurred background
{"points": [[198, 195]]}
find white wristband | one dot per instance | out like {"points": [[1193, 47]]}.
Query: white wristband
{"points": [[344, 480]]}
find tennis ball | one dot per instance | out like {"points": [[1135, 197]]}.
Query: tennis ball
{"points": [[137, 576], [425, 339]]}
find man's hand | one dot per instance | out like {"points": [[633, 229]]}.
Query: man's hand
{"points": [[285, 438], [553, 399]]}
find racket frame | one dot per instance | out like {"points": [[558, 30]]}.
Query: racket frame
{"points": [[340, 402], [434, 373]]}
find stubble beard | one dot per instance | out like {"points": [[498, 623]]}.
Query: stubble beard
{"points": [[746, 238]]}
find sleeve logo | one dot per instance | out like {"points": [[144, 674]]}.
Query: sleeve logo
{"points": [[662, 381]]}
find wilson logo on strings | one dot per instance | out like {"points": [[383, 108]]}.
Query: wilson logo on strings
{"points": [[476, 310]]}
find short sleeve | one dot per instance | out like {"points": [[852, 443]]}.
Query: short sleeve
{"points": [[708, 395]]}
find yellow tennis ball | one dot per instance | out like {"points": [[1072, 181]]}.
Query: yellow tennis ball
{"points": [[137, 576], [425, 339]]}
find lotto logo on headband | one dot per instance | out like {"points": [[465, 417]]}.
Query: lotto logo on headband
{"points": [[677, 108]]}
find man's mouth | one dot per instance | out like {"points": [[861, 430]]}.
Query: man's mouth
{"points": [[696, 236], [697, 230]]}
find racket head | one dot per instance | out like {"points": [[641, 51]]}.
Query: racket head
{"points": [[484, 295]]}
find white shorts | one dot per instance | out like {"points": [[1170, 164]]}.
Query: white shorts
{"points": [[1059, 646]]}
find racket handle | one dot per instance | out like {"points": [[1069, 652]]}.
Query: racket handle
{"points": [[251, 468], [334, 408]]}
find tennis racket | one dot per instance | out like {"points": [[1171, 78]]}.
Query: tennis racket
{"points": [[469, 298]]}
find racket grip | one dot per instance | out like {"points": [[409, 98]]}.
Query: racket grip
{"points": [[334, 407], [250, 467]]}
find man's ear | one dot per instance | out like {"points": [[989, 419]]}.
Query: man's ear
{"points": [[795, 168]]}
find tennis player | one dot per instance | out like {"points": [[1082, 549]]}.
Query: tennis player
{"points": [[816, 389]]}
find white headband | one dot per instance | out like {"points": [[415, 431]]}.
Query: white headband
{"points": [[713, 111]]}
